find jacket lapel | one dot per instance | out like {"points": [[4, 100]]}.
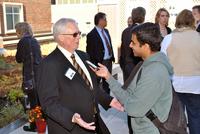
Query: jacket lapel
{"points": [[98, 36], [65, 63], [132, 75]]}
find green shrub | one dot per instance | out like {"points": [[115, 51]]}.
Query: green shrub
{"points": [[11, 113], [15, 94]]}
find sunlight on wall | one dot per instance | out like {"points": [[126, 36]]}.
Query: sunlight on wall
{"points": [[47, 48]]}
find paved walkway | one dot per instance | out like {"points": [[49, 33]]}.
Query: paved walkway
{"points": [[115, 121]]}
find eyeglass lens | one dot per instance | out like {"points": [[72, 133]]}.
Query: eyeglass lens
{"points": [[76, 34]]}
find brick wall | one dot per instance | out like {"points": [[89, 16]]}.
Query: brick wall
{"points": [[36, 12]]}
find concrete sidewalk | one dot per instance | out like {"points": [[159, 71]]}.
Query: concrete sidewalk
{"points": [[116, 121]]}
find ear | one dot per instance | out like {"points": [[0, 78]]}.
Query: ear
{"points": [[61, 38], [146, 46]]}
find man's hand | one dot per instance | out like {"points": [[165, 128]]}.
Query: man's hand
{"points": [[102, 71], [78, 120], [116, 104]]}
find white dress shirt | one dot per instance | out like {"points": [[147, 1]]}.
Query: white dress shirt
{"points": [[67, 54], [106, 54]]}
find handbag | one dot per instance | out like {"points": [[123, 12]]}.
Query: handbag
{"points": [[176, 122], [28, 85]]}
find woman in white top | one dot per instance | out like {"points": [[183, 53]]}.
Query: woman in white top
{"points": [[182, 47]]}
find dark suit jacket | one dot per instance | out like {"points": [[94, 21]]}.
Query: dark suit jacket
{"points": [[61, 97], [24, 48], [127, 59], [95, 47], [168, 30]]}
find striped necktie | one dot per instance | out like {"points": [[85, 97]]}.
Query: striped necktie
{"points": [[80, 71], [107, 43]]}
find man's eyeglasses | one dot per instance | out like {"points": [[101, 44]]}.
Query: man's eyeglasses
{"points": [[74, 34]]}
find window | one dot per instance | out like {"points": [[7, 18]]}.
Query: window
{"points": [[89, 1], [75, 1], [59, 1], [65, 1], [53, 2], [69, 1], [13, 13]]}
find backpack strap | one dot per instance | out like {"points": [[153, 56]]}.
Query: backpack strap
{"points": [[169, 126], [139, 75], [150, 113], [132, 75], [32, 59]]}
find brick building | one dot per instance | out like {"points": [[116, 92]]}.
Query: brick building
{"points": [[36, 12]]}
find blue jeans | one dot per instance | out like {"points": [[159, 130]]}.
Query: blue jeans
{"points": [[192, 104]]}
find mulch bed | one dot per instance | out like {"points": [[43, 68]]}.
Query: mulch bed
{"points": [[10, 78]]}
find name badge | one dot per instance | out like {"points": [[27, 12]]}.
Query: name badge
{"points": [[70, 73]]}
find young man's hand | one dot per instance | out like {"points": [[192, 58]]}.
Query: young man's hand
{"points": [[102, 71]]}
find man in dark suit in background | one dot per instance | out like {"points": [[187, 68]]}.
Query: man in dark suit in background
{"points": [[127, 59], [99, 46], [67, 88], [196, 14]]}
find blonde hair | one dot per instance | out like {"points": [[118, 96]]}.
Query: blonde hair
{"points": [[23, 28], [158, 14]]}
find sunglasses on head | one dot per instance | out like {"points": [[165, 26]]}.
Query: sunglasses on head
{"points": [[74, 34]]}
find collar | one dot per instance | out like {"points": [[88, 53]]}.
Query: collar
{"points": [[98, 28], [183, 29], [66, 53]]}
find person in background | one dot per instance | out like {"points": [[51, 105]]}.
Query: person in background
{"points": [[182, 47], [196, 14], [162, 19], [127, 59], [29, 54], [129, 21], [99, 46], [150, 88], [68, 89], [3, 51]]}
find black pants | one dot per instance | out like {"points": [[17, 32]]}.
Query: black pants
{"points": [[97, 130], [33, 99], [100, 125]]}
